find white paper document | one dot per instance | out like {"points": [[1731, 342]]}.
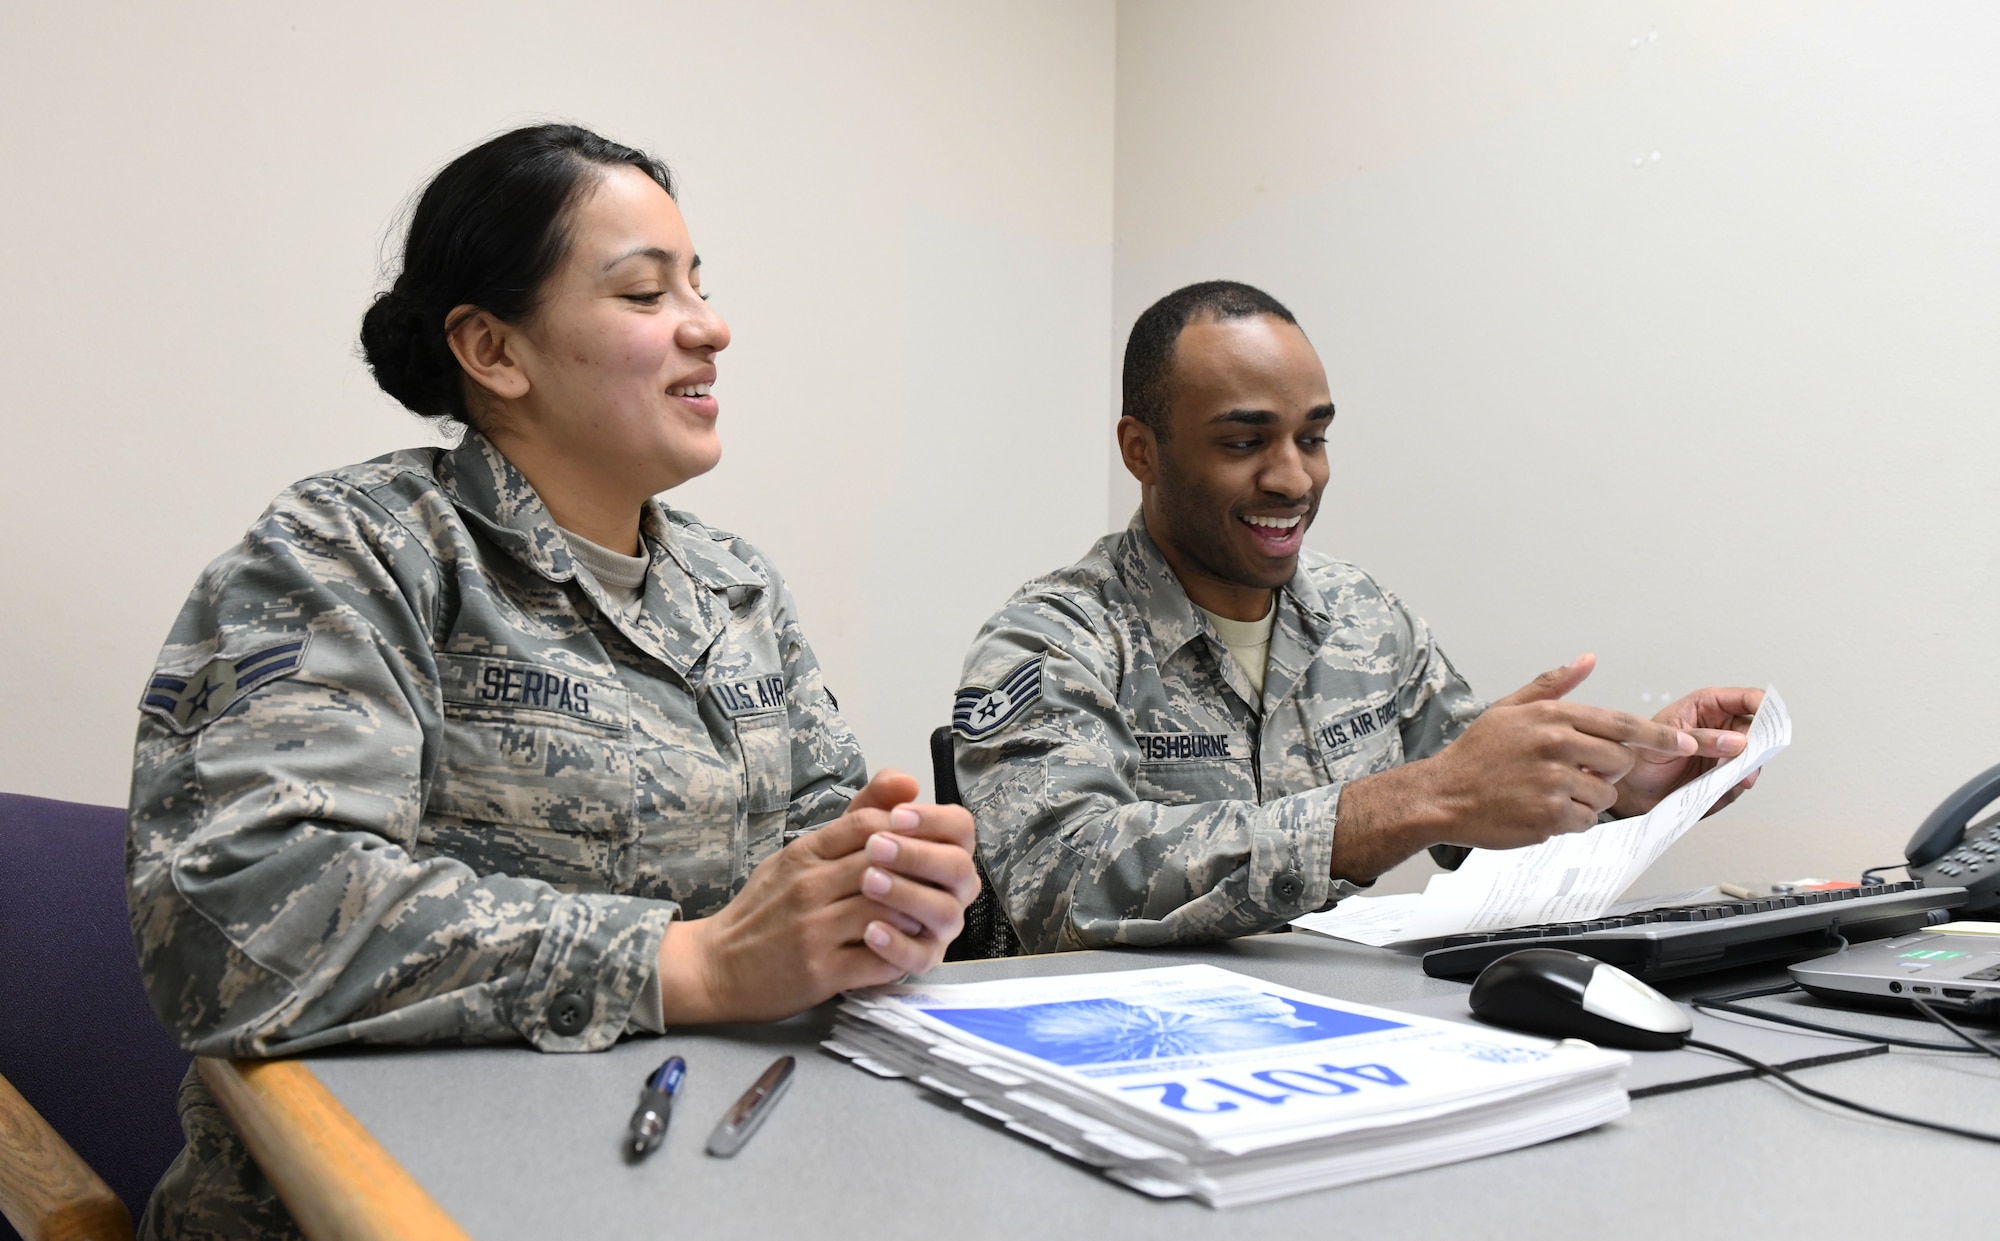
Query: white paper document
{"points": [[1568, 878]]}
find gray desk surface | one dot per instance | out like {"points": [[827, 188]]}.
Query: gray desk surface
{"points": [[517, 1144]]}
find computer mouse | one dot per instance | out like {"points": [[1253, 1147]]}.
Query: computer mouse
{"points": [[1568, 995]]}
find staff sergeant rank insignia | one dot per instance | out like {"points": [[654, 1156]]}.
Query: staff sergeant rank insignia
{"points": [[189, 702], [979, 712]]}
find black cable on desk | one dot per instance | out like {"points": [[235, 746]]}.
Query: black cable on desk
{"points": [[1837, 1101], [1979, 1044], [1728, 1003]]}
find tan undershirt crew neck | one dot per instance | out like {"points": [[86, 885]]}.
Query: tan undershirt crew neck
{"points": [[622, 577], [1249, 642]]}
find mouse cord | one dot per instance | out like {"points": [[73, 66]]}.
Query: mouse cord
{"points": [[1837, 1101], [1979, 1043], [1727, 1003]]}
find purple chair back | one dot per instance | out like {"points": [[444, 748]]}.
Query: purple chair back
{"points": [[78, 1038]]}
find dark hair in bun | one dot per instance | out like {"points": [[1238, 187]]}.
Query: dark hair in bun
{"points": [[487, 232]]}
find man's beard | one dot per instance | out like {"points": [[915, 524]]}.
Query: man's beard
{"points": [[1202, 528]]}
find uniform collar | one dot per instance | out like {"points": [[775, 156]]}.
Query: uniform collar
{"points": [[1171, 618], [1169, 615], [691, 586], [702, 559], [694, 586], [486, 487]]}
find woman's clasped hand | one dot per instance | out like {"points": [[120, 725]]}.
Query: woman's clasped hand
{"points": [[876, 894]]}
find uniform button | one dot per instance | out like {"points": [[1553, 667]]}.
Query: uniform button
{"points": [[1287, 887], [569, 1013]]}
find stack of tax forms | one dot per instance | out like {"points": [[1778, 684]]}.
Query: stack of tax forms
{"points": [[1194, 1080]]}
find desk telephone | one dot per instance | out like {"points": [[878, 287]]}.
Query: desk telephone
{"points": [[1950, 850]]}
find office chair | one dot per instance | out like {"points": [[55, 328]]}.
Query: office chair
{"points": [[85, 1056], [987, 932]]}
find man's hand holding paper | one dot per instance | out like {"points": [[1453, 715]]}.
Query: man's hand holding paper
{"points": [[1567, 877], [1717, 719], [1534, 766]]}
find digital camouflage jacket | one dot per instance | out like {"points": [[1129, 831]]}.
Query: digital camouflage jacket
{"points": [[403, 775], [1128, 786]]}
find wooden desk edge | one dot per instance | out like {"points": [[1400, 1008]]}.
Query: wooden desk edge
{"points": [[331, 1173]]}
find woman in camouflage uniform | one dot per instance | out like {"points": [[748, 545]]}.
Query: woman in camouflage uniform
{"points": [[486, 743]]}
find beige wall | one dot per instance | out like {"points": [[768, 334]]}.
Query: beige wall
{"points": [[904, 211], [1724, 413]]}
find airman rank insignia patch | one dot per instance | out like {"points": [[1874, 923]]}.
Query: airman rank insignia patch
{"points": [[979, 712], [189, 703]]}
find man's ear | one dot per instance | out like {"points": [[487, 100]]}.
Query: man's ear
{"points": [[488, 350], [1140, 449]]}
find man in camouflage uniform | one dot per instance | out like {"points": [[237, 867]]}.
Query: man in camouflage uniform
{"points": [[406, 773], [1147, 762]]}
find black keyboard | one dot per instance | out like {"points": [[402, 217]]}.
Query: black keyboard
{"points": [[1695, 939]]}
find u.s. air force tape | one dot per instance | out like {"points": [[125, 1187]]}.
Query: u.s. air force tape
{"points": [[1334, 736], [979, 712], [187, 703]]}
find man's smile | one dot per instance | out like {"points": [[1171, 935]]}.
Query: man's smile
{"points": [[1277, 537]]}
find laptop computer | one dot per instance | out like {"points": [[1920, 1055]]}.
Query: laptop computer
{"points": [[1953, 966]]}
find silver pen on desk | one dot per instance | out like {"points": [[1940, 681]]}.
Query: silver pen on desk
{"points": [[748, 1112]]}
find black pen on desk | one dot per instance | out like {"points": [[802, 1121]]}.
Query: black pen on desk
{"points": [[656, 1106]]}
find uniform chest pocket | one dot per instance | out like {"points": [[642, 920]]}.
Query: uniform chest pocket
{"points": [[765, 740], [534, 747], [1358, 740], [1184, 768]]}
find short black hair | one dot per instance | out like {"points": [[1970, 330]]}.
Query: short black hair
{"points": [[487, 232], [1149, 351]]}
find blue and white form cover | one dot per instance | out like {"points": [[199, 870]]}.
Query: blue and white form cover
{"points": [[1195, 1080]]}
